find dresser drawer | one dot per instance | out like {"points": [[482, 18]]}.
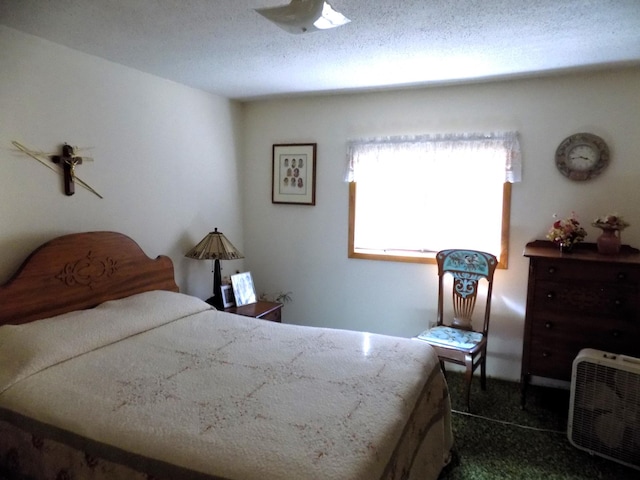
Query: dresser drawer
{"points": [[586, 332], [551, 360], [274, 316], [563, 269], [555, 340], [552, 355], [261, 309], [597, 298]]}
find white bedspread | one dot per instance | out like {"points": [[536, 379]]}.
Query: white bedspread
{"points": [[229, 396]]}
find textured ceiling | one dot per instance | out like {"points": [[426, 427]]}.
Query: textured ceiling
{"points": [[225, 47]]}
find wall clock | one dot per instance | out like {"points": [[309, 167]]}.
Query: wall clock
{"points": [[582, 156]]}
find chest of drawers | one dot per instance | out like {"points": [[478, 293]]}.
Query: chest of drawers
{"points": [[578, 300]]}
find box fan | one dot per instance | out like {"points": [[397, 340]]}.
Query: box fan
{"points": [[604, 407]]}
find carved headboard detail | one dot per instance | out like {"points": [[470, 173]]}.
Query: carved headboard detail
{"points": [[88, 271], [80, 271]]}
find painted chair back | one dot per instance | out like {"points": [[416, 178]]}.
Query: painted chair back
{"points": [[467, 267]]}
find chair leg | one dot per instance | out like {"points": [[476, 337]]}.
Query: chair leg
{"points": [[483, 373], [468, 377], [444, 370]]}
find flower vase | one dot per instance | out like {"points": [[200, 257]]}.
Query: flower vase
{"points": [[609, 241]]}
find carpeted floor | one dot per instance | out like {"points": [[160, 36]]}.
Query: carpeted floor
{"points": [[486, 449]]}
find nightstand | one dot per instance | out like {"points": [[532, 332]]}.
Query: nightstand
{"points": [[263, 310]]}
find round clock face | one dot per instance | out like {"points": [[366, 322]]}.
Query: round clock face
{"points": [[582, 156]]}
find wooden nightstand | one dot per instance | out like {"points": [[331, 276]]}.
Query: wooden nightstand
{"points": [[263, 310]]}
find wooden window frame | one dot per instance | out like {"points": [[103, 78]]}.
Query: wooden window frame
{"points": [[503, 257]]}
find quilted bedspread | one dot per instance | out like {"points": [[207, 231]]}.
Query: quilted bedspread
{"points": [[163, 384]]}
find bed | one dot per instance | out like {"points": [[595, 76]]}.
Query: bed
{"points": [[107, 371]]}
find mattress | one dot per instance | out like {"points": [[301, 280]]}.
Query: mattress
{"points": [[161, 384]]}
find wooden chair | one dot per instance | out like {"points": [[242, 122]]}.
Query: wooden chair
{"points": [[456, 341]]}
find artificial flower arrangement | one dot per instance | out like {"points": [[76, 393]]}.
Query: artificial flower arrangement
{"points": [[610, 222], [566, 232]]}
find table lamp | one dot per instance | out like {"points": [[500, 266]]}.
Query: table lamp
{"points": [[215, 246]]}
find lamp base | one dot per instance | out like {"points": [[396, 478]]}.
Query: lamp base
{"points": [[216, 299], [211, 301]]}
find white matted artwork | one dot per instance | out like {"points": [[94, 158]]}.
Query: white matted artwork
{"points": [[243, 289], [294, 173]]}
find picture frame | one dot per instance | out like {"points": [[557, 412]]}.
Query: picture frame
{"points": [[243, 289], [228, 299], [293, 179]]}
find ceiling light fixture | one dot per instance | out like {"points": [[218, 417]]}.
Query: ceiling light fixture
{"points": [[302, 16]]}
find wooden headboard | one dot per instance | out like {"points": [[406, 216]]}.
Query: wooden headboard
{"points": [[80, 271]]}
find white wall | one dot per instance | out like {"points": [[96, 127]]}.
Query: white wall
{"points": [[164, 156], [166, 161], [304, 249]]}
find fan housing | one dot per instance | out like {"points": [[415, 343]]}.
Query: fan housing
{"points": [[604, 407]]}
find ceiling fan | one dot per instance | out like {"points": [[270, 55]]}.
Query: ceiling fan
{"points": [[302, 16]]}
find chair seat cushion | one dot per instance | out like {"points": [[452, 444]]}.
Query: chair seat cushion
{"points": [[452, 337]]}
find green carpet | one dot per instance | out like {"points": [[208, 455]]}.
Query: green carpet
{"points": [[485, 449]]}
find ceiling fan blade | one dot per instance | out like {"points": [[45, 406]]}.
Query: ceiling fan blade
{"points": [[302, 16]]}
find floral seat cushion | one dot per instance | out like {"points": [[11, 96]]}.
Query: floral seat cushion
{"points": [[453, 337]]}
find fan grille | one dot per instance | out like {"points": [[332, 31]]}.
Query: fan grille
{"points": [[605, 411]]}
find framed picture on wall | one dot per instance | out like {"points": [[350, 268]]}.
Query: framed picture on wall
{"points": [[243, 289], [228, 300], [294, 173]]}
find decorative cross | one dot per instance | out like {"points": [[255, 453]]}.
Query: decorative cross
{"points": [[68, 161]]}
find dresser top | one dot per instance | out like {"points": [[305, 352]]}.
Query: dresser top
{"points": [[581, 251]]}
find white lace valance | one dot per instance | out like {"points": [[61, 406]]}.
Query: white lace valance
{"points": [[398, 148]]}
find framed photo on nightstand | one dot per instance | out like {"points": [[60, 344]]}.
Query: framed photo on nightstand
{"points": [[228, 300], [243, 289]]}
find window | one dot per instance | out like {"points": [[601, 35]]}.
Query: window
{"points": [[413, 196]]}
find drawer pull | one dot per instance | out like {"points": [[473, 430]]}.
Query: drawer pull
{"points": [[617, 302], [548, 325], [552, 270], [615, 334], [551, 295], [622, 276], [545, 354]]}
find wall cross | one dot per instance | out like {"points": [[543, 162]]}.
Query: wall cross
{"points": [[68, 161]]}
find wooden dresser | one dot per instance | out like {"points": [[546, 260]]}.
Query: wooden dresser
{"points": [[578, 300]]}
